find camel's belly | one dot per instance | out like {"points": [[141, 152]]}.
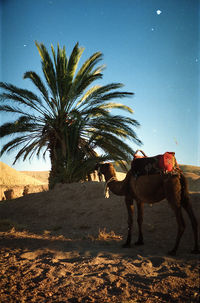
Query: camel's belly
{"points": [[149, 189]]}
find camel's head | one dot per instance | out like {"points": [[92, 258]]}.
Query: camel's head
{"points": [[105, 168]]}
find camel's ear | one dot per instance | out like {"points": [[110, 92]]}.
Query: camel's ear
{"points": [[107, 165]]}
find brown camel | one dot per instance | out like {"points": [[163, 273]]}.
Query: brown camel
{"points": [[152, 189]]}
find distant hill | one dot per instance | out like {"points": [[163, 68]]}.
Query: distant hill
{"points": [[42, 176], [190, 169], [11, 177]]}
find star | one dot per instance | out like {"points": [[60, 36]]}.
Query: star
{"points": [[158, 12]]}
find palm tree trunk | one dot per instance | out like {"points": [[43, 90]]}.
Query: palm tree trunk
{"points": [[57, 165]]}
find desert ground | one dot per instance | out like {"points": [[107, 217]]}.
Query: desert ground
{"points": [[65, 245]]}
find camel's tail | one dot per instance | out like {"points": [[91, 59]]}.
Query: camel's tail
{"points": [[184, 190]]}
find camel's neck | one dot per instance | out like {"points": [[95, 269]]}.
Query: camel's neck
{"points": [[110, 175], [117, 187]]}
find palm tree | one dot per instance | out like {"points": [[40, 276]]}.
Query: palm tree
{"points": [[69, 118]]}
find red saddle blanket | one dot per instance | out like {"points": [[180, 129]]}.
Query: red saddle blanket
{"points": [[143, 165], [167, 161]]}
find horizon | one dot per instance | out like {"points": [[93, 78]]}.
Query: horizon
{"points": [[151, 47], [187, 165]]}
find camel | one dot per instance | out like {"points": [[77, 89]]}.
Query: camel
{"points": [[151, 189]]}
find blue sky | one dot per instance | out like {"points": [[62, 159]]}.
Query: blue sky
{"points": [[151, 46]]}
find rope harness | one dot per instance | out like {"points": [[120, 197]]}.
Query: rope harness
{"points": [[106, 189]]}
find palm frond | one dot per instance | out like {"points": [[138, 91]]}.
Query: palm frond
{"points": [[72, 66], [48, 68], [25, 96], [61, 63], [99, 96], [85, 76], [13, 144], [37, 81]]}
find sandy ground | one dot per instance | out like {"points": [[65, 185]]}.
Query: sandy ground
{"points": [[65, 245]]}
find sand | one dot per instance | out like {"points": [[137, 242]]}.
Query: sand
{"points": [[65, 245], [16, 180]]}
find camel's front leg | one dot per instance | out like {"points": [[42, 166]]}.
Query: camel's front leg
{"points": [[140, 213], [130, 209]]}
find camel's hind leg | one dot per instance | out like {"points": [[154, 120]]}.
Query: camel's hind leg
{"points": [[181, 228], [185, 202], [188, 208], [173, 194]]}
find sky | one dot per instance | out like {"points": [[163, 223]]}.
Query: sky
{"points": [[151, 46]]}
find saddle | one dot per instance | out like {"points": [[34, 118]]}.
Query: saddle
{"points": [[160, 164]]}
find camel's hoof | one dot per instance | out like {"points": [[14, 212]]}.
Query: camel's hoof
{"points": [[172, 252], [195, 251], [139, 243], [126, 245]]}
